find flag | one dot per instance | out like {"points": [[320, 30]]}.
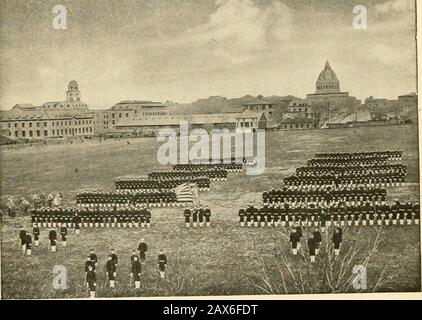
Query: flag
{"points": [[184, 193]]}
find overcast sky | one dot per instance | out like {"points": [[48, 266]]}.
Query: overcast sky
{"points": [[184, 50]]}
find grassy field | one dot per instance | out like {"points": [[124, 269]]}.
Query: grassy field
{"points": [[214, 261]]}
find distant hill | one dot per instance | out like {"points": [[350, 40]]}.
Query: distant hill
{"points": [[218, 104]]}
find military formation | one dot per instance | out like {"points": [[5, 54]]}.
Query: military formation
{"points": [[332, 190], [335, 190], [197, 217], [104, 217]]}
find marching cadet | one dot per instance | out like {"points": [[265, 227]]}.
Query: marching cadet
{"points": [[162, 262], [207, 214], [195, 217], [294, 240], [337, 240], [52, 236], [312, 245], [142, 249], [148, 218], [187, 215], [261, 217], [91, 281], [318, 239], [114, 258], [408, 209], [77, 223], [136, 272], [111, 269], [63, 232], [248, 214], [255, 216], [22, 236], [28, 242], [242, 217], [93, 257], [201, 217], [36, 233], [88, 263], [416, 212], [299, 236]]}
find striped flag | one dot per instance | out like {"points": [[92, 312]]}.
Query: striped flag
{"points": [[184, 193]]}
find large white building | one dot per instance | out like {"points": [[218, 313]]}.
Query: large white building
{"points": [[106, 120], [58, 119]]}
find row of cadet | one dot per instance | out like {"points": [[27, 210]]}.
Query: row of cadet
{"points": [[314, 241], [137, 259], [129, 217], [197, 217], [153, 199], [213, 175], [26, 239], [229, 167], [357, 193], [339, 168], [391, 154], [387, 214]]}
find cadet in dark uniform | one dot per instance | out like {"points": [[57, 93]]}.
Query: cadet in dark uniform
{"points": [[187, 214], [142, 249], [36, 233], [248, 214], [207, 214], [136, 272], [162, 262], [299, 236], [201, 217], [52, 236], [93, 257], [312, 245], [195, 217], [63, 232], [28, 242], [318, 239], [91, 281], [111, 270], [337, 240], [242, 215], [76, 220], [88, 263], [294, 240], [416, 213], [22, 243], [115, 260]]}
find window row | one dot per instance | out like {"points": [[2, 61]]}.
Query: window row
{"points": [[53, 123]]}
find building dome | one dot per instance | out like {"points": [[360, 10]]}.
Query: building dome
{"points": [[327, 81]]}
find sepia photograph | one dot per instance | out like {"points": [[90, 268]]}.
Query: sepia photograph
{"points": [[208, 148]]}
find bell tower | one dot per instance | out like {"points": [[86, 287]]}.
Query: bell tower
{"points": [[73, 94]]}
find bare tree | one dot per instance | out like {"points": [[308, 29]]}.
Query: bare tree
{"points": [[284, 273]]}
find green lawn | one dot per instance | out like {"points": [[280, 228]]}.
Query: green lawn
{"points": [[214, 261]]}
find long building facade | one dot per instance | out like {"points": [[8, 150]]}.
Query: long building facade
{"points": [[58, 119], [105, 121]]}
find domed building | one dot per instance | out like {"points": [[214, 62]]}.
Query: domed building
{"points": [[327, 81]]}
